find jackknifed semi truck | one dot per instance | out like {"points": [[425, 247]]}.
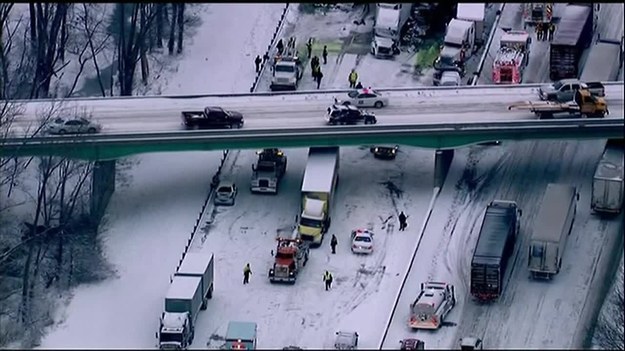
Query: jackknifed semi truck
{"points": [[495, 245], [607, 183], [190, 289], [318, 187]]}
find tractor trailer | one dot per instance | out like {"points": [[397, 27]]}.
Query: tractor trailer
{"points": [[318, 187]]}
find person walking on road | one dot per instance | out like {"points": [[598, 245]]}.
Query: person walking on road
{"points": [[333, 243], [552, 30], [402, 221], [353, 78], [280, 47], [327, 279], [539, 31], [545, 31], [258, 61], [325, 54], [318, 78], [247, 271], [309, 47]]}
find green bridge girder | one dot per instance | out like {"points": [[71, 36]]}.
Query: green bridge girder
{"points": [[432, 136]]}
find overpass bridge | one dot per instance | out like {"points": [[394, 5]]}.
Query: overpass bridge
{"points": [[431, 117], [441, 118]]}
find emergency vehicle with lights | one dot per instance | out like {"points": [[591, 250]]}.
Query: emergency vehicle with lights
{"points": [[362, 241], [432, 305], [511, 57], [537, 12]]}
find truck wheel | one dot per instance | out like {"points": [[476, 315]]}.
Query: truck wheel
{"points": [[240, 125], [210, 292], [204, 304]]}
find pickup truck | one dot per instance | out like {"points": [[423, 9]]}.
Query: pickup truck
{"points": [[212, 117], [585, 104], [564, 90]]}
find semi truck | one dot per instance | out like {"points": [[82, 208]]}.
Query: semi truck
{"points": [[268, 171], [573, 35], [190, 289], [603, 62], [390, 18], [551, 230], [607, 183], [291, 255], [459, 44], [432, 305], [318, 187], [493, 249], [287, 68], [473, 12]]}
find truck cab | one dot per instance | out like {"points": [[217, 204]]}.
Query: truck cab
{"points": [[290, 256], [434, 302], [459, 42], [268, 171], [314, 221], [241, 336], [287, 72]]}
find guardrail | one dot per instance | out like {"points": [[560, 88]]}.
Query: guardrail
{"points": [[226, 153], [480, 65], [389, 320], [300, 92], [272, 43]]}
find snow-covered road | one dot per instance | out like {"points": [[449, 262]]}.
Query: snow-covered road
{"points": [[150, 217]]}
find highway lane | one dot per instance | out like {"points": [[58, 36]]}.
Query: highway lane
{"points": [[289, 110]]}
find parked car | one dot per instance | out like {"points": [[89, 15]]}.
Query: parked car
{"points": [[366, 97], [564, 90], [72, 126], [346, 340], [362, 241], [226, 193], [348, 114], [385, 152]]}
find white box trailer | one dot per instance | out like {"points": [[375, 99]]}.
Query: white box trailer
{"points": [[199, 264], [607, 183], [390, 18], [551, 230], [603, 62], [474, 12]]}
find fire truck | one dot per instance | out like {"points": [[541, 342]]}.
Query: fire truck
{"points": [[511, 57], [537, 12]]}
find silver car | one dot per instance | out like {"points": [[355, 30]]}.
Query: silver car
{"points": [[225, 194], [72, 126]]}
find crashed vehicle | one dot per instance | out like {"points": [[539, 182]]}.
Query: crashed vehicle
{"points": [[346, 340], [384, 152]]}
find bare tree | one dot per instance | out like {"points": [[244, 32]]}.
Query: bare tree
{"points": [[160, 14], [5, 10], [134, 27], [172, 27], [180, 15], [49, 19]]}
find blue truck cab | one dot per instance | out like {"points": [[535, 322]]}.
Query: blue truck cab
{"points": [[241, 336]]}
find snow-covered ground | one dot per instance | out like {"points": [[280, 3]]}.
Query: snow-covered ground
{"points": [[149, 221]]}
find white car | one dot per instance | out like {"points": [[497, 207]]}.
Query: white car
{"points": [[366, 97], [226, 193], [72, 126], [362, 241]]}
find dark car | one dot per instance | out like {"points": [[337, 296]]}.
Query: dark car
{"points": [[212, 117], [385, 152], [348, 114]]}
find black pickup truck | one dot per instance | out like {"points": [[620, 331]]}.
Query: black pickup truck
{"points": [[212, 117]]}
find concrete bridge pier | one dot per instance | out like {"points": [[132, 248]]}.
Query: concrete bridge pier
{"points": [[442, 161], [102, 187]]}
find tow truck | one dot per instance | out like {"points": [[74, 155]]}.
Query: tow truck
{"points": [[584, 105], [287, 69], [432, 305], [290, 255]]}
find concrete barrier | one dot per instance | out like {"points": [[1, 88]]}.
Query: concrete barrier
{"points": [[435, 193], [271, 44]]}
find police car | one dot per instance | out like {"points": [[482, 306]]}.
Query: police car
{"points": [[362, 241], [348, 114], [366, 97]]}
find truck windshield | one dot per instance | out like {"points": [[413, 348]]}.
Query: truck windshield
{"points": [[285, 68], [307, 222], [284, 255], [171, 337]]}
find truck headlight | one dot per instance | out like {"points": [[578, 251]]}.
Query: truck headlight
{"points": [[291, 273]]}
